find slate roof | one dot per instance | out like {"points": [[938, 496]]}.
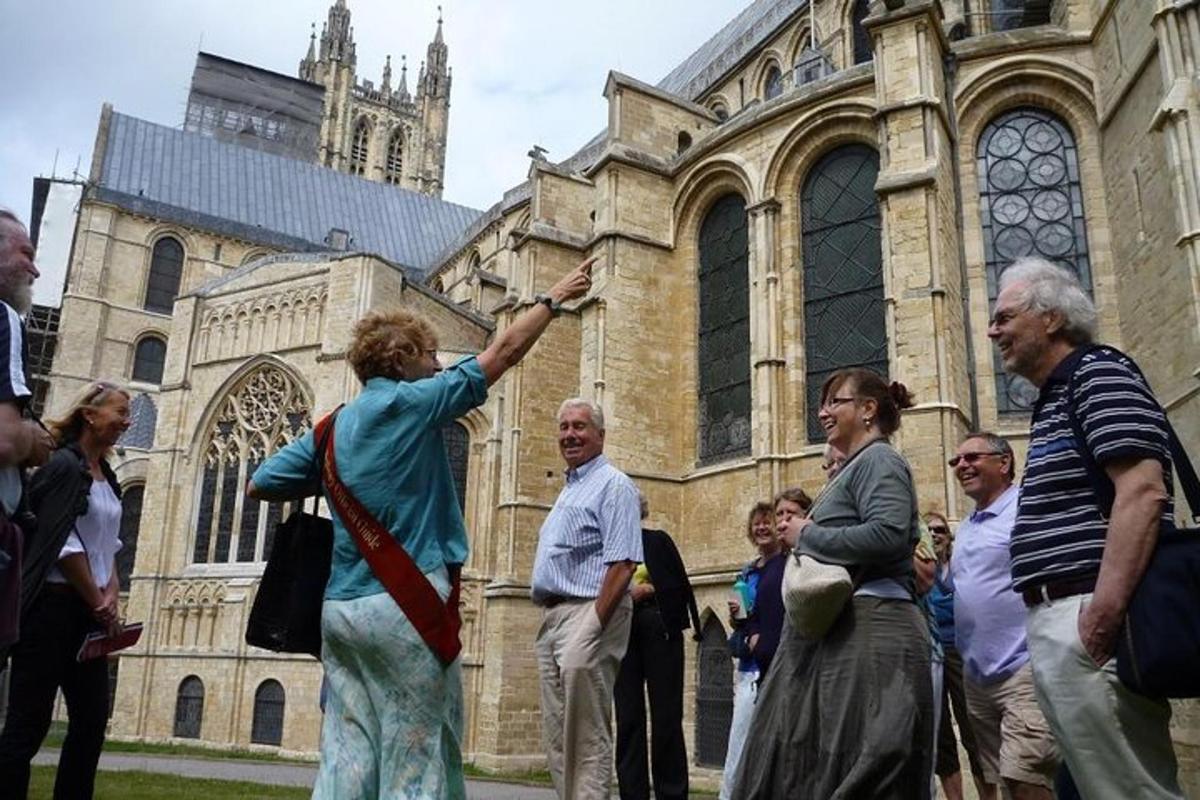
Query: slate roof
{"points": [[697, 73], [198, 181], [142, 419], [745, 32]]}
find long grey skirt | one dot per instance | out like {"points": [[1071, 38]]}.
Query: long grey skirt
{"points": [[849, 716]]}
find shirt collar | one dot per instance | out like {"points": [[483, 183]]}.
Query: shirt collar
{"points": [[998, 505], [583, 470]]}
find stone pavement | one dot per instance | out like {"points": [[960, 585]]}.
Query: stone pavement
{"points": [[273, 772]]}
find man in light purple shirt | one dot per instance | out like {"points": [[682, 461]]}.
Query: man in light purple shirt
{"points": [[1014, 740]]}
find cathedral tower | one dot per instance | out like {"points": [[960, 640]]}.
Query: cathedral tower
{"points": [[381, 133]]}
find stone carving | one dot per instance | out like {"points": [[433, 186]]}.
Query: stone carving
{"points": [[265, 324]]}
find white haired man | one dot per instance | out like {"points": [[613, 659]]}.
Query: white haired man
{"points": [[23, 442], [1075, 565], [588, 548]]}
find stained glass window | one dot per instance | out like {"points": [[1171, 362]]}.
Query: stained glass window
{"points": [[166, 270], [189, 708], [131, 520], [148, 359], [724, 336], [1030, 204], [844, 319], [265, 411], [360, 147], [773, 85], [714, 696], [458, 449], [395, 156], [267, 725]]}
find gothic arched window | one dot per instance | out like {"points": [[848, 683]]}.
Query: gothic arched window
{"points": [[189, 708], [149, 357], [773, 83], [395, 156], [458, 449], [714, 695], [166, 270], [131, 520], [264, 412], [862, 39], [723, 346], [1030, 203], [360, 147], [844, 321], [267, 725]]}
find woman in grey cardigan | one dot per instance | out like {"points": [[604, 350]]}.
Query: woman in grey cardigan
{"points": [[851, 715]]}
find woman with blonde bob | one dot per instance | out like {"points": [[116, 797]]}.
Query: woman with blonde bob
{"points": [[849, 714], [393, 720], [69, 589]]}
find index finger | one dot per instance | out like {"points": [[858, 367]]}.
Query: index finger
{"points": [[586, 266]]}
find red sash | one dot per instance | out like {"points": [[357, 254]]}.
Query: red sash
{"points": [[437, 622]]}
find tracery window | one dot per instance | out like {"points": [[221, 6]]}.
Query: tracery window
{"points": [[131, 520], [149, 357], [1030, 203], [723, 346], [360, 147], [265, 411], [844, 320], [189, 708], [773, 83], [395, 156], [166, 270], [714, 695], [267, 725], [862, 39], [458, 450]]}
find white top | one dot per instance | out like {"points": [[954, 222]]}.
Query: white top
{"points": [[97, 533]]}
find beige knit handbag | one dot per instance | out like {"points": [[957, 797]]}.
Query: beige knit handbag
{"points": [[814, 593]]}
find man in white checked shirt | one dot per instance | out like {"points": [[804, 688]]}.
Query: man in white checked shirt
{"points": [[587, 550]]}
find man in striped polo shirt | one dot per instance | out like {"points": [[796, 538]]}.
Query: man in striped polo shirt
{"points": [[1075, 564], [587, 550]]}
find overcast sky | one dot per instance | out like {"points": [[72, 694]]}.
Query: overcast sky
{"points": [[525, 71]]}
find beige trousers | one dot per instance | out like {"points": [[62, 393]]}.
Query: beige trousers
{"points": [[577, 664], [1116, 742]]}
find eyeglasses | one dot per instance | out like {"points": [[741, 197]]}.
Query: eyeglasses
{"points": [[971, 458], [98, 388], [834, 402], [939, 529]]}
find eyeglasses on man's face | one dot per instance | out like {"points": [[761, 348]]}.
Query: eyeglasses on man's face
{"points": [[971, 458]]}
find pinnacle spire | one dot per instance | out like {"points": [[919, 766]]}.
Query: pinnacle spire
{"points": [[437, 37]]}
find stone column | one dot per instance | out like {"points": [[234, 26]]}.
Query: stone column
{"points": [[921, 264], [1177, 27], [766, 351]]}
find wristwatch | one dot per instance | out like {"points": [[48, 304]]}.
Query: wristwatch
{"points": [[549, 302]]}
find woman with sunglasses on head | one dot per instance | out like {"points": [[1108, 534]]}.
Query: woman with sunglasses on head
{"points": [[69, 589], [849, 714]]}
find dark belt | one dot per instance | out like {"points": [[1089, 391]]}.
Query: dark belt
{"points": [[551, 600], [1056, 590]]}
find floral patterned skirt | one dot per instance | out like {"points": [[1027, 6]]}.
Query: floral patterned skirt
{"points": [[394, 717]]}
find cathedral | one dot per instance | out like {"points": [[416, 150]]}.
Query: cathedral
{"points": [[821, 183]]}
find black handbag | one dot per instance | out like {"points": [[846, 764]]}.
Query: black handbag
{"points": [[286, 615], [1158, 649]]}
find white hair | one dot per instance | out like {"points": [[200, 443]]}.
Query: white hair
{"points": [[594, 410], [1049, 287]]}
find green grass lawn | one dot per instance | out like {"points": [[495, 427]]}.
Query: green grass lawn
{"points": [[150, 786], [58, 730]]}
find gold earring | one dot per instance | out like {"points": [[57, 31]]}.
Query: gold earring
{"points": [[868, 421]]}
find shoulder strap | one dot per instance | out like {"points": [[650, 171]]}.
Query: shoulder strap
{"points": [[437, 622], [1181, 465]]}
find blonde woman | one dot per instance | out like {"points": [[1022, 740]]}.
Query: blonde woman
{"points": [[69, 589]]}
